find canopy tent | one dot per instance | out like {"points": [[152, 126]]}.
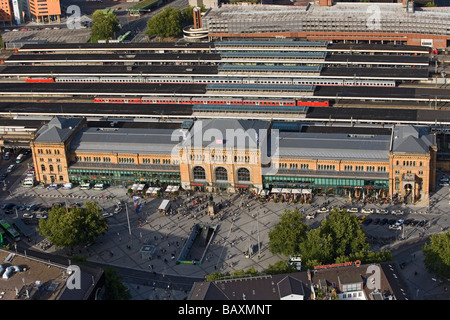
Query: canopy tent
{"points": [[134, 187], [264, 192], [285, 190], [296, 191], [306, 191], [275, 190], [140, 187]]}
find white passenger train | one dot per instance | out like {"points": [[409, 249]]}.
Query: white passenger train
{"points": [[231, 80]]}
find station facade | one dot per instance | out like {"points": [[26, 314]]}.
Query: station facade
{"points": [[239, 155]]}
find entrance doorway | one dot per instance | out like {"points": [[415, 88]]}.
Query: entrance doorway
{"points": [[408, 193]]}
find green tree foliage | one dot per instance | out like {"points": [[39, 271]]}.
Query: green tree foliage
{"points": [[73, 227], [288, 234], [165, 24], [104, 26], [437, 255], [280, 267], [339, 239], [114, 288], [2, 44]]}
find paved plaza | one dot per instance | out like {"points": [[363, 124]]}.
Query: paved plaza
{"points": [[244, 223]]}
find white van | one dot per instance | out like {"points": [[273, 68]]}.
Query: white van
{"points": [[85, 186], [28, 182], [67, 186], [98, 186]]}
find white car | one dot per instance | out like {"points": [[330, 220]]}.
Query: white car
{"points": [[382, 211], [41, 216], [353, 210], [323, 210], [28, 215], [395, 227], [117, 209], [107, 215], [310, 216], [398, 212], [367, 210]]}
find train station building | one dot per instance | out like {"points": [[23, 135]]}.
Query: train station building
{"points": [[234, 155]]}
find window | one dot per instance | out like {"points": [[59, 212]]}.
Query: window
{"points": [[199, 173], [42, 168], [243, 174], [221, 174], [50, 167]]}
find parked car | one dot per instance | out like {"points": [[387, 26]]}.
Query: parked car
{"points": [[28, 215], [398, 212], [391, 221], [362, 219], [53, 186], [310, 216], [323, 210], [10, 168], [395, 227], [367, 221], [353, 210], [107, 215], [383, 221], [118, 209], [382, 211], [407, 222], [376, 221], [42, 215], [367, 210], [8, 206], [32, 207]]}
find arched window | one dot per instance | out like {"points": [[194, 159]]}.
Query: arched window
{"points": [[243, 174], [221, 174], [199, 173], [42, 168]]}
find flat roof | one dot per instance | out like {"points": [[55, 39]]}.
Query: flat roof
{"points": [[334, 145], [103, 88], [106, 57], [110, 70], [382, 73], [124, 140], [57, 108], [115, 46], [422, 60]]}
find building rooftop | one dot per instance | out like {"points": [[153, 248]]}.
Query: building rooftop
{"points": [[124, 140], [57, 130], [43, 280], [334, 146]]}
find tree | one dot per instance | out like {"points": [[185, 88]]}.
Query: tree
{"points": [[437, 255], [288, 234], [2, 44], [280, 267], [73, 227], [339, 239], [104, 26], [165, 24], [114, 288]]}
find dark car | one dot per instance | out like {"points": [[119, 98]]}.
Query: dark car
{"points": [[376, 221], [367, 221], [391, 221], [422, 223], [414, 222], [8, 206], [407, 222], [383, 221]]}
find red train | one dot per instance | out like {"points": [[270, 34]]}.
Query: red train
{"points": [[45, 80], [199, 100]]}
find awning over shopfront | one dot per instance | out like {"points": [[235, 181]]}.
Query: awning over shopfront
{"points": [[275, 190]]}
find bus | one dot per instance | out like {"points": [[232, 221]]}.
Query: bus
{"points": [[10, 231]]}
